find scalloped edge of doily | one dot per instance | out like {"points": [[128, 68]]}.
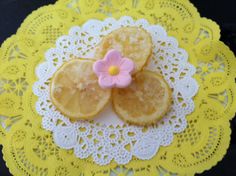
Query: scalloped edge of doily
{"points": [[208, 167], [57, 3], [6, 162], [32, 13], [8, 39]]}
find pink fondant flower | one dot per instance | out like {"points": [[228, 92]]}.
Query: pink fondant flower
{"points": [[113, 70]]}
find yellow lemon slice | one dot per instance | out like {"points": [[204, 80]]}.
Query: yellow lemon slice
{"points": [[75, 91], [132, 42], [145, 101]]}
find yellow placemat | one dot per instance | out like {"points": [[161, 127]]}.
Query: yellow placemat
{"points": [[29, 150]]}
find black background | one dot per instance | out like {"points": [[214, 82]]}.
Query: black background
{"points": [[13, 12]]}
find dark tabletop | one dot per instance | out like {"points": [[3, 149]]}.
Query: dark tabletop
{"points": [[13, 12]]}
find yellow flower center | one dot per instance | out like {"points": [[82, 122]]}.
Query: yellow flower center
{"points": [[113, 70]]}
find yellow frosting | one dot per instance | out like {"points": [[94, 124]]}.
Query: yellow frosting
{"points": [[113, 70]]}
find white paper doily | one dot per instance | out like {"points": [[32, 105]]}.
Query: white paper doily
{"points": [[108, 138]]}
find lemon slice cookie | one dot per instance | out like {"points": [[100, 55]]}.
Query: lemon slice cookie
{"points": [[145, 101], [75, 91], [132, 42]]}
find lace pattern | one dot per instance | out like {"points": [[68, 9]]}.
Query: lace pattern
{"points": [[28, 149]]}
